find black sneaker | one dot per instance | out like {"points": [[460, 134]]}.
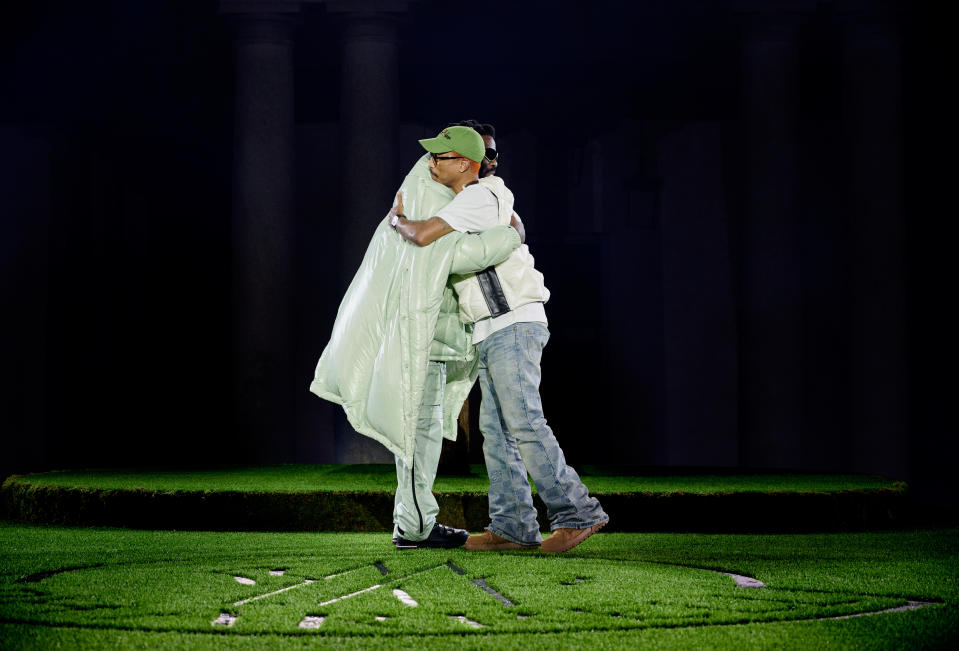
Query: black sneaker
{"points": [[441, 537]]}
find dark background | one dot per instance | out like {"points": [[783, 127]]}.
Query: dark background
{"points": [[735, 205]]}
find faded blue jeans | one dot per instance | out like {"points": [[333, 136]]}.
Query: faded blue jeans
{"points": [[517, 440]]}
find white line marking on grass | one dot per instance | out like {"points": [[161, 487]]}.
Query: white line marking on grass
{"points": [[269, 594], [380, 585], [745, 581], [910, 605], [225, 619], [244, 580], [380, 618], [312, 621], [468, 622], [277, 572], [352, 594], [404, 597], [340, 598]]}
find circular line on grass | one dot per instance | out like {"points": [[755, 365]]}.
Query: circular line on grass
{"points": [[910, 605], [36, 577], [227, 619]]}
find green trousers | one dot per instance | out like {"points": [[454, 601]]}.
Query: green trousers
{"points": [[415, 507]]}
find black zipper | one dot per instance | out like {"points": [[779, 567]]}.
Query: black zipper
{"points": [[413, 482]]}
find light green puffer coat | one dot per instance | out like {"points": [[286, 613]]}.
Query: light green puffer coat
{"points": [[375, 362]]}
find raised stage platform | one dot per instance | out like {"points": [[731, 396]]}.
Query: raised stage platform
{"points": [[360, 498]]}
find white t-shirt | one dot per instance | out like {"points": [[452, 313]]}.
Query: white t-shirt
{"points": [[473, 210]]}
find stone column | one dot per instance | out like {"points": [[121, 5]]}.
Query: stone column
{"points": [[872, 121], [369, 124], [771, 344], [263, 204]]}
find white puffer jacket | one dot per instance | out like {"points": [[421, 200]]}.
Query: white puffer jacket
{"points": [[518, 277]]}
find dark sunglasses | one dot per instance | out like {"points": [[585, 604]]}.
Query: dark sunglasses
{"points": [[491, 154], [437, 157]]}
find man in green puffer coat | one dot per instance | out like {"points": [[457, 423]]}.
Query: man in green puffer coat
{"points": [[399, 360]]}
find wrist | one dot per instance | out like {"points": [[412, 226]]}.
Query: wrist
{"points": [[395, 219]]}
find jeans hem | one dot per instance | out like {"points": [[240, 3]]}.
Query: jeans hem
{"points": [[577, 525], [501, 534]]}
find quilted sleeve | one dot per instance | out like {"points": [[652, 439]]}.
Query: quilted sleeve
{"points": [[477, 252]]}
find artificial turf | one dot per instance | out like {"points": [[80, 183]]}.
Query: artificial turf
{"points": [[164, 589], [382, 477]]}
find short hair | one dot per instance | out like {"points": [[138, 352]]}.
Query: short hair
{"points": [[478, 127]]}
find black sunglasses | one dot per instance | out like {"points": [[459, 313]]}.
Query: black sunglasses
{"points": [[437, 157], [491, 154]]}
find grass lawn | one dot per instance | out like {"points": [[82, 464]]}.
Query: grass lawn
{"points": [[118, 588], [382, 477]]}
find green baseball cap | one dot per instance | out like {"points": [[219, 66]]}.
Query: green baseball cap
{"points": [[462, 140]]}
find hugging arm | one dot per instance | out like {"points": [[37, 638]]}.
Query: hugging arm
{"points": [[475, 252], [420, 233], [517, 223], [472, 252], [424, 232], [429, 230]]}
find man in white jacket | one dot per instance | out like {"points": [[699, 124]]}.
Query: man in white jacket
{"points": [[399, 360], [505, 305]]}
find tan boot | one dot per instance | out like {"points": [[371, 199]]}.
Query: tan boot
{"points": [[490, 542], [564, 540]]}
